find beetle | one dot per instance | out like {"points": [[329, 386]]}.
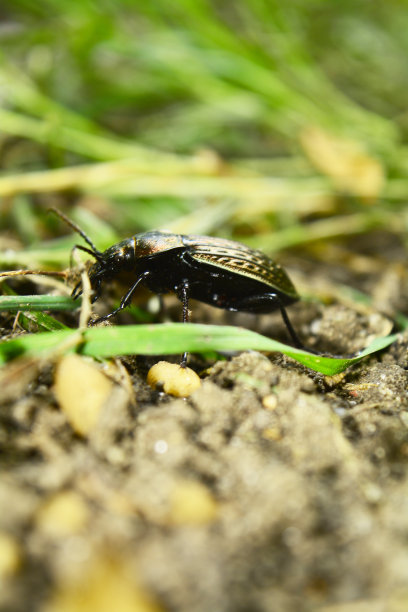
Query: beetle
{"points": [[219, 272]]}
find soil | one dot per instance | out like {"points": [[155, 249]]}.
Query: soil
{"points": [[270, 488]]}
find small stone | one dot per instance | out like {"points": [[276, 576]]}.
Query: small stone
{"points": [[372, 492], [81, 390], [192, 504], [173, 379], [10, 556], [64, 514], [269, 402], [105, 584], [272, 433]]}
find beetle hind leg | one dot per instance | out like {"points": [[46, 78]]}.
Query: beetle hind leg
{"points": [[298, 344], [259, 304]]}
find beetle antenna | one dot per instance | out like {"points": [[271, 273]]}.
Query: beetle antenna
{"points": [[97, 254]]}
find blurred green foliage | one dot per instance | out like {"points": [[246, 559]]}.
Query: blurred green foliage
{"points": [[242, 77], [240, 117], [276, 123]]}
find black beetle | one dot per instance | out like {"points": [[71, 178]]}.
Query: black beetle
{"points": [[223, 273]]}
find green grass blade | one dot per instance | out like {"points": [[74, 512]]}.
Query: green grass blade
{"points": [[39, 320], [29, 320], [173, 338], [36, 303]]}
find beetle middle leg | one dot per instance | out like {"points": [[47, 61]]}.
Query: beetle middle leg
{"points": [[182, 293], [125, 299]]}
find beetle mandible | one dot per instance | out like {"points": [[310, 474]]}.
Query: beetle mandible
{"points": [[219, 272]]}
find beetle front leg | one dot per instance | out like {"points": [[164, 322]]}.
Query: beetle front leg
{"points": [[125, 299]]}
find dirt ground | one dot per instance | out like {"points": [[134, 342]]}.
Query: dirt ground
{"points": [[270, 489]]}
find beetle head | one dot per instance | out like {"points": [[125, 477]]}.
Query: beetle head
{"points": [[111, 263]]}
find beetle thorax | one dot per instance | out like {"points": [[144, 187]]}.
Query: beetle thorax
{"points": [[153, 243]]}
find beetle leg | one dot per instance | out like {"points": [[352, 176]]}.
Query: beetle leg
{"points": [[77, 291], [182, 293], [125, 299], [274, 298], [293, 334], [252, 303], [290, 329], [298, 344]]}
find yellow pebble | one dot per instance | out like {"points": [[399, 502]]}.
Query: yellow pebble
{"points": [[192, 504], [64, 514], [173, 379], [270, 401], [10, 556], [105, 584], [81, 390], [272, 433]]}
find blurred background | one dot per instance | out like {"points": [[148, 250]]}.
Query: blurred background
{"points": [[278, 124], [281, 124]]}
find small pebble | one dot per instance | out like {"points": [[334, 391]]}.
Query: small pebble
{"points": [[105, 583], [10, 557], [173, 379], [270, 401], [64, 514], [192, 504], [81, 390], [272, 433]]}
